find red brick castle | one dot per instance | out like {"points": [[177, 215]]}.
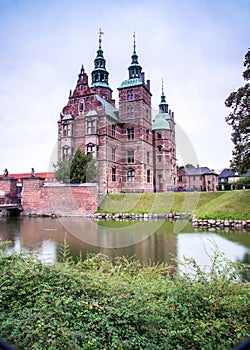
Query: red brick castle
{"points": [[135, 152]]}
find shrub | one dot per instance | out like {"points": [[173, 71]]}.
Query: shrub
{"points": [[115, 303]]}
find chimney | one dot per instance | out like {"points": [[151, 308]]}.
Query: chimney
{"points": [[148, 84], [143, 77]]}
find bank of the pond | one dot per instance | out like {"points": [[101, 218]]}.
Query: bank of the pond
{"points": [[226, 206], [119, 304]]}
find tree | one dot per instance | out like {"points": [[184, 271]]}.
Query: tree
{"points": [[77, 169], [62, 170], [239, 119]]}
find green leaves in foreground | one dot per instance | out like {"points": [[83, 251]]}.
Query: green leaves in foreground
{"points": [[104, 303]]}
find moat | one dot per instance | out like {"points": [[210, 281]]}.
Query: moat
{"points": [[148, 241]]}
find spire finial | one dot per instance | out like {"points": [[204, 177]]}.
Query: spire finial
{"points": [[162, 86], [100, 38], [134, 42]]}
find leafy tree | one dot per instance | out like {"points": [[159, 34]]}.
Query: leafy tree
{"points": [[239, 119], [189, 166], [62, 170], [80, 168]]}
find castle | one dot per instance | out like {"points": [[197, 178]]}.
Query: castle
{"points": [[135, 153]]}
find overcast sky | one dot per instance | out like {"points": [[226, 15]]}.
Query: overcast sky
{"points": [[197, 46]]}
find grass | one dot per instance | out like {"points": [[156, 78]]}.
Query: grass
{"points": [[213, 205]]}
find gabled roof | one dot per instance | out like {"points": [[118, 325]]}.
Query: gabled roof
{"points": [[199, 171], [228, 173], [110, 110]]}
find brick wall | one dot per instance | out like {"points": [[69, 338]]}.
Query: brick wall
{"points": [[62, 200]]}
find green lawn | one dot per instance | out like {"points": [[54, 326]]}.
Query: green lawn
{"points": [[213, 205]]}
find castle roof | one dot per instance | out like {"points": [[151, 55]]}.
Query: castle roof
{"points": [[160, 122], [110, 110]]}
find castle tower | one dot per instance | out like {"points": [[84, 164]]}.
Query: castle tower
{"points": [[100, 75], [135, 113], [164, 147]]}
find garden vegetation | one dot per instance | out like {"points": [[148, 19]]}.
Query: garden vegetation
{"points": [[116, 303]]}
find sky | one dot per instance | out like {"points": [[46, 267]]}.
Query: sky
{"points": [[196, 46]]}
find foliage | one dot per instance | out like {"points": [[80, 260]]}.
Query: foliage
{"points": [[62, 170], [105, 303], [189, 166], [77, 169], [212, 205], [239, 119], [79, 166]]}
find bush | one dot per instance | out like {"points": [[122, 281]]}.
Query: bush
{"points": [[105, 303]]}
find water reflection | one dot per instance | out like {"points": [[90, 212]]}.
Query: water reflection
{"points": [[153, 241]]}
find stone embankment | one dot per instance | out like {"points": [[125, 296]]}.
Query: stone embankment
{"points": [[197, 223], [153, 216], [207, 223]]}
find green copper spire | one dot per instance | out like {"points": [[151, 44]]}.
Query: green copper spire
{"points": [[134, 69], [163, 106], [100, 74]]}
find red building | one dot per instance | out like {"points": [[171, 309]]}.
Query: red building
{"points": [[135, 153]]}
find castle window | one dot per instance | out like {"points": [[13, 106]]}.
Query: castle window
{"points": [[131, 156], [66, 130], [131, 175], [148, 176], [113, 154], [159, 135], [148, 155], [130, 132], [66, 153], [90, 148], [180, 178], [81, 107], [130, 111], [113, 130], [90, 127], [147, 134], [114, 174], [159, 158], [130, 95], [88, 99], [75, 101], [160, 148], [194, 178]]}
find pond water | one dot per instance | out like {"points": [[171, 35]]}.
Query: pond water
{"points": [[148, 241]]}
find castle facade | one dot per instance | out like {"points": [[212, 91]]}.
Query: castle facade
{"points": [[135, 152]]}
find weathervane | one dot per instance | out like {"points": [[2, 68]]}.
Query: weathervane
{"points": [[100, 37]]}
